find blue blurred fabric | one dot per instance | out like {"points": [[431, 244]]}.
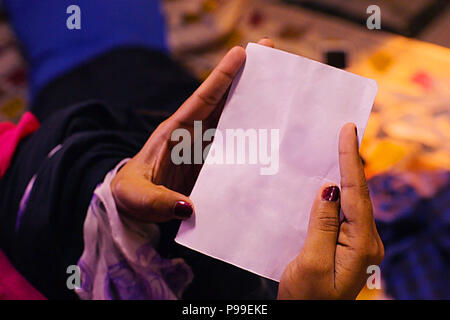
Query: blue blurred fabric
{"points": [[416, 239], [52, 49]]}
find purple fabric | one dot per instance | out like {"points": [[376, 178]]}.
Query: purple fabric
{"points": [[119, 260]]}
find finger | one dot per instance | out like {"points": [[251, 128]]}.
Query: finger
{"points": [[148, 202], [355, 200], [266, 42], [204, 100], [324, 225]]}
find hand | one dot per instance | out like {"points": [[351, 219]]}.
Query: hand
{"points": [[334, 259], [150, 187]]}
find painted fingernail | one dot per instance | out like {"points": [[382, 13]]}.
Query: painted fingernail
{"points": [[331, 193], [183, 209]]}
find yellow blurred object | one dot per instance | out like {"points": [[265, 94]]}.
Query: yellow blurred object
{"points": [[372, 129], [13, 107], [381, 61], [409, 129], [382, 155], [371, 294], [433, 161], [232, 39]]}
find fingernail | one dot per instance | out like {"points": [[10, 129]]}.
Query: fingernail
{"points": [[183, 209], [331, 193]]}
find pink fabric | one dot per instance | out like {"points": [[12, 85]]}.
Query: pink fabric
{"points": [[10, 136], [13, 286]]}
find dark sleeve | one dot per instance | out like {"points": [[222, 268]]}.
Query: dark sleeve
{"points": [[47, 236]]}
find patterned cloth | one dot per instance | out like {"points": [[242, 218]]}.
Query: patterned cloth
{"points": [[416, 237], [119, 260]]}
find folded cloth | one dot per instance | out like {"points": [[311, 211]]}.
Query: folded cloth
{"points": [[416, 239], [45, 193], [10, 136], [119, 260], [12, 285]]}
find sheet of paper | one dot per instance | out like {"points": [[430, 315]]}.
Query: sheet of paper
{"points": [[252, 204]]}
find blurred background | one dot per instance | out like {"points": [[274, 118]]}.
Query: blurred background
{"points": [[406, 147]]}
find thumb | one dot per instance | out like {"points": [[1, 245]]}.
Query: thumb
{"points": [[145, 201], [324, 224]]}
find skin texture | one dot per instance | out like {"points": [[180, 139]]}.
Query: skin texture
{"points": [[334, 259]]}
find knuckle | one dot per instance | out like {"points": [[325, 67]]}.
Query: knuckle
{"points": [[360, 186], [327, 223], [345, 152], [226, 74], [120, 193], [117, 187], [207, 99], [364, 190]]}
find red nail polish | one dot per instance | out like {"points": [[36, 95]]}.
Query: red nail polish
{"points": [[183, 209], [331, 193]]}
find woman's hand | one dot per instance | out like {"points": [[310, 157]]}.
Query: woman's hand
{"points": [[150, 187], [333, 262], [334, 259]]}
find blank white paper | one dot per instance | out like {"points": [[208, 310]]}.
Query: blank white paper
{"points": [[257, 221]]}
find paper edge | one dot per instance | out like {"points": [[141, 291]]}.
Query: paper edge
{"points": [[202, 251], [254, 44]]}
